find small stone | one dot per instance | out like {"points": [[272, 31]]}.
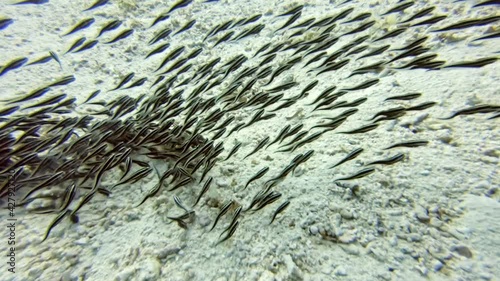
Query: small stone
{"points": [[463, 251], [351, 249], [340, 271], [294, 272], [313, 230], [437, 265], [347, 214], [414, 237], [421, 214]]}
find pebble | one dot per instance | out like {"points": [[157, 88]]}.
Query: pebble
{"points": [[149, 270], [347, 214], [421, 214], [163, 253], [437, 265], [351, 249], [294, 272], [463, 251], [313, 230], [340, 271]]}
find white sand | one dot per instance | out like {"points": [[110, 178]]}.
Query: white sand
{"points": [[380, 234]]}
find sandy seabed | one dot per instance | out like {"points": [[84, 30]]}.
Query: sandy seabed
{"points": [[433, 216]]}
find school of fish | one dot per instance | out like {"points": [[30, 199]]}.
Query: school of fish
{"points": [[189, 107]]}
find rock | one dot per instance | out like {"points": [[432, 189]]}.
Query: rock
{"points": [[294, 272], [340, 271], [463, 251], [348, 237], [149, 270], [313, 230], [351, 249], [437, 265], [421, 214], [347, 214], [163, 253], [125, 274]]}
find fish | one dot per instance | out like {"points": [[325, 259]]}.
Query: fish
{"points": [[35, 2], [363, 85], [360, 174], [92, 95], [233, 150], [486, 3], [267, 199], [418, 50], [420, 14], [48, 101], [8, 110], [81, 25], [5, 22], [98, 3], [137, 83], [362, 129], [307, 140], [360, 28], [251, 31], [262, 49], [224, 38], [230, 232], [409, 96], [483, 108], [413, 44], [179, 203], [161, 35], [222, 212], [353, 154], [261, 144], [135, 177], [389, 112], [257, 176], [421, 106], [171, 56], [124, 81], [474, 64], [204, 190], [14, 64], [389, 161], [158, 50], [112, 25], [486, 36], [432, 20], [251, 19], [413, 143], [56, 221], [122, 35], [280, 209], [86, 46], [359, 17], [76, 44], [290, 21], [160, 18], [63, 81], [375, 52], [334, 66], [391, 34], [186, 27], [468, 23], [56, 58], [292, 11], [399, 8], [179, 4], [54, 178]]}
